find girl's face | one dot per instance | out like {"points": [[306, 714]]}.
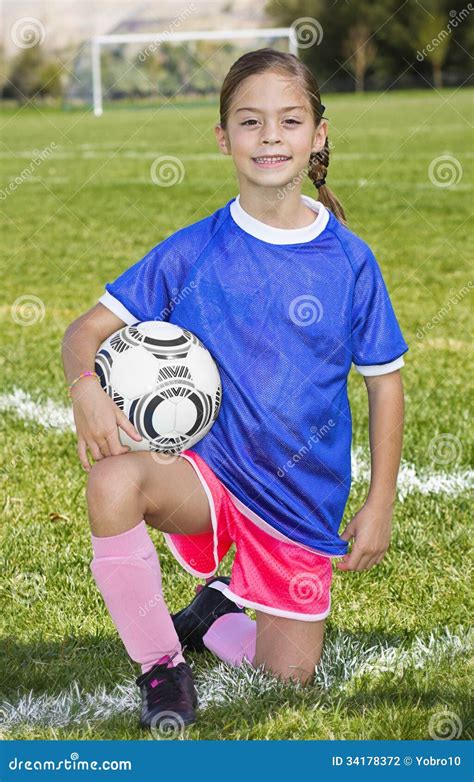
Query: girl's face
{"points": [[270, 118]]}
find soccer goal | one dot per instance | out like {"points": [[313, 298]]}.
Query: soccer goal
{"points": [[202, 35]]}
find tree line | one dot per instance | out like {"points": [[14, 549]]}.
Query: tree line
{"points": [[357, 46]]}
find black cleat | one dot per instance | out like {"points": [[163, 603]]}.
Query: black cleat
{"points": [[193, 621], [169, 697]]}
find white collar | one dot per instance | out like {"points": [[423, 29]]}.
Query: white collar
{"points": [[268, 233]]}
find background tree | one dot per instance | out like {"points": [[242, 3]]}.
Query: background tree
{"points": [[432, 31], [374, 45], [360, 51], [34, 72]]}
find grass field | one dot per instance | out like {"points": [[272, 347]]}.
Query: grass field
{"points": [[396, 663]]}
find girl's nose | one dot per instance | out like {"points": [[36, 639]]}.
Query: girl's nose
{"points": [[271, 138], [270, 134]]}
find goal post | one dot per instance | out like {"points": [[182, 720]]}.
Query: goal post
{"points": [[202, 35]]}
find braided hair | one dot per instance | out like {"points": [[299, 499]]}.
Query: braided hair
{"points": [[317, 172], [267, 59]]}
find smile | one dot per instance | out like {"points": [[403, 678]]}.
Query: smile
{"points": [[270, 161]]}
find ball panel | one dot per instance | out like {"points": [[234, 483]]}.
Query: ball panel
{"points": [[185, 415], [203, 369], [134, 372]]}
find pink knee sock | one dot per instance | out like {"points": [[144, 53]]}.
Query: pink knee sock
{"points": [[232, 637], [127, 572]]}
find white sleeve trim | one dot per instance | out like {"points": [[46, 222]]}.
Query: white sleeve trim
{"points": [[118, 309], [380, 369]]}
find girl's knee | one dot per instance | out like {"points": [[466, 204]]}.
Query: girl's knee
{"points": [[302, 673], [110, 477]]}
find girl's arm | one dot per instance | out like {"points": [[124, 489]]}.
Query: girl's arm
{"points": [[78, 355], [96, 416], [371, 526], [386, 409]]}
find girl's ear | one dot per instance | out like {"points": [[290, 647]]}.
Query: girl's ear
{"points": [[319, 138], [222, 139]]}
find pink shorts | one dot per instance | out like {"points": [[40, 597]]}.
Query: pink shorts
{"points": [[268, 574]]}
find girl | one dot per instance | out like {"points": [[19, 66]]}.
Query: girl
{"points": [[286, 298]]}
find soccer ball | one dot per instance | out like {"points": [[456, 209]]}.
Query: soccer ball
{"points": [[165, 381]]}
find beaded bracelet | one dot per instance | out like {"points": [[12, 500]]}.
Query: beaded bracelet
{"points": [[83, 374]]}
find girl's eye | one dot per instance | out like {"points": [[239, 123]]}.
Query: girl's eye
{"points": [[293, 121]]}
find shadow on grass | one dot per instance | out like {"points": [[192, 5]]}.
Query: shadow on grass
{"points": [[90, 662], [48, 666]]}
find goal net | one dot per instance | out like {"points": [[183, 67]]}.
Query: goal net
{"points": [[165, 64]]}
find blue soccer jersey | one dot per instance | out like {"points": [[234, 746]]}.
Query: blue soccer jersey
{"points": [[284, 313]]}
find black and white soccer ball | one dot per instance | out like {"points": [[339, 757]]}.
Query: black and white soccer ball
{"points": [[165, 381]]}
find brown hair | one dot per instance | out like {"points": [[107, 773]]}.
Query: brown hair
{"points": [[263, 60]]}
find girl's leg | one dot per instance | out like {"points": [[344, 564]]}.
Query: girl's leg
{"points": [[123, 490], [123, 493], [232, 638], [289, 648]]}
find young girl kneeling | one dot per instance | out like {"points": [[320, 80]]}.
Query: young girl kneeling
{"points": [[286, 298]]}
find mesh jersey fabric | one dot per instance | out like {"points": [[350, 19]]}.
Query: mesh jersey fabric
{"points": [[284, 319]]}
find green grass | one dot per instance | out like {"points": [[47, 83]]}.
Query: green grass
{"points": [[91, 212]]}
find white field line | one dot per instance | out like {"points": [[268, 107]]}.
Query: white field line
{"points": [[48, 414], [344, 659], [83, 152], [411, 480], [61, 180], [51, 415]]}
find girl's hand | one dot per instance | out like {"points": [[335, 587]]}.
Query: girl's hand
{"points": [[371, 529], [97, 417]]}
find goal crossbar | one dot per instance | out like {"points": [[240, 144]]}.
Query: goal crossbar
{"points": [[202, 35]]}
